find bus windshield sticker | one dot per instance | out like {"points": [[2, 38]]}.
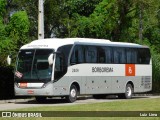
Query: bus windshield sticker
{"points": [[18, 74]]}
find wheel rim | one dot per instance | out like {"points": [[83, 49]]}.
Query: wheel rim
{"points": [[129, 91], [73, 93]]}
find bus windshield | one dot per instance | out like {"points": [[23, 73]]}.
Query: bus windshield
{"points": [[33, 65]]}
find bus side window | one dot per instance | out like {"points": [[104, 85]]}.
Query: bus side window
{"points": [[91, 54], [108, 54], [119, 55], [101, 55], [61, 62], [143, 56], [131, 55], [77, 56], [116, 55], [59, 67]]}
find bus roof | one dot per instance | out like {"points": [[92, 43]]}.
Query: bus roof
{"points": [[55, 43]]}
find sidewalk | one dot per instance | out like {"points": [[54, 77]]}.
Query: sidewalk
{"points": [[15, 100]]}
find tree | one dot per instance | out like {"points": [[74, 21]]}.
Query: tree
{"points": [[122, 20], [98, 24], [78, 12], [31, 8], [60, 15], [2, 7], [4, 40], [54, 16], [2, 13], [18, 29]]}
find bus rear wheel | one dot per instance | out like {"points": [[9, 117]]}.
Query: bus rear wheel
{"points": [[72, 94], [128, 92]]}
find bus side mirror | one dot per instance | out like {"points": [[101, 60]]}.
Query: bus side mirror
{"points": [[9, 59], [50, 59]]}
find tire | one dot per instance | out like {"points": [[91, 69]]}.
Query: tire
{"points": [[41, 99], [72, 94], [128, 92]]}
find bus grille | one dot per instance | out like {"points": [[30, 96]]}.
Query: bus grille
{"points": [[146, 82]]}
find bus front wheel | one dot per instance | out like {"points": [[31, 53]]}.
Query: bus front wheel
{"points": [[72, 94]]}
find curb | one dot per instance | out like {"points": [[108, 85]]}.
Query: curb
{"points": [[15, 100]]}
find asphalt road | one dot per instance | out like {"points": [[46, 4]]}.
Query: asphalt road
{"points": [[26, 103]]}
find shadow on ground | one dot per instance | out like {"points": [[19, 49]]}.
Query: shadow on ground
{"points": [[59, 100]]}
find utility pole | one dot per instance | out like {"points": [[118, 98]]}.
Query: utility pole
{"points": [[140, 24], [41, 19]]}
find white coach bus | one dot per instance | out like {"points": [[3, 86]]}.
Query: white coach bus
{"points": [[77, 66]]}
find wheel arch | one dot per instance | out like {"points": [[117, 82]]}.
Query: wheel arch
{"points": [[77, 86], [131, 83]]}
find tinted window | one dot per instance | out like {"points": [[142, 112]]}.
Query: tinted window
{"points": [[101, 55], [108, 54], [25, 59], [77, 55], [65, 50], [33, 65], [143, 56], [60, 68], [131, 55], [91, 54], [61, 61], [119, 55]]}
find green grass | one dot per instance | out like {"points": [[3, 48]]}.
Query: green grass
{"points": [[125, 105]]}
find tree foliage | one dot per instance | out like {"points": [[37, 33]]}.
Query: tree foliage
{"points": [[2, 6], [14, 33], [111, 19], [18, 29]]}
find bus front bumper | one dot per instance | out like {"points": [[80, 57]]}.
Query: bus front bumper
{"points": [[49, 90]]}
